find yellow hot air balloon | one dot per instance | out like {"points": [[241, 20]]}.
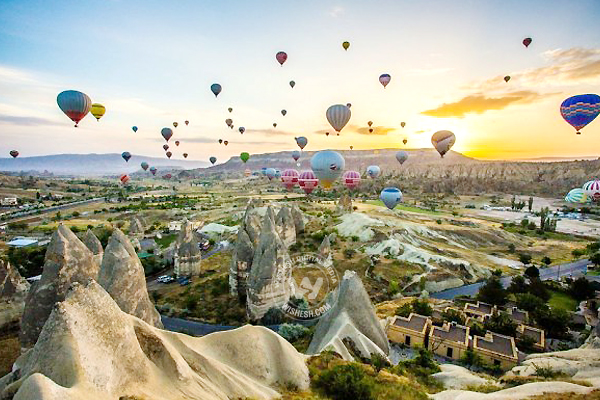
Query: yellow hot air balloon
{"points": [[346, 45], [98, 110]]}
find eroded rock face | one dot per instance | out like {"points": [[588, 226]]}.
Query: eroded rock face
{"points": [[90, 350], [122, 276], [13, 286], [298, 219], [251, 223], [241, 264], [68, 260], [136, 226], [344, 204], [285, 226], [188, 258]]}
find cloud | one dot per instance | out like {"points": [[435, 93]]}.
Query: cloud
{"points": [[336, 11], [27, 121], [377, 130], [479, 103]]}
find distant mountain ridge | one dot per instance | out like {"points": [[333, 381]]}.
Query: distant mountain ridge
{"points": [[91, 164]]}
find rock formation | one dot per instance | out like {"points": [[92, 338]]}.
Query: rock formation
{"points": [[187, 258], [92, 243], [68, 260], [269, 281], [298, 219], [286, 227], [136, 226], [13, 291], [90, 350], [122, 276], [325, 247], [241, 264], [352, 317], [344, 204]]}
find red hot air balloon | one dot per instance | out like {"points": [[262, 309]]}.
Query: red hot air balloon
{"points": [[124, 179], [281, 57], [326, 133], [351, 179], [527, 41], [187, 123], [153, 170], [14, 153], [308, 181], [165, 147], [289, 178], [169, 154], [167, 176]]}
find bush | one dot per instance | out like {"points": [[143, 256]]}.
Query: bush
{"points": [[293, 332], [344, 382], [404, 310], [349, 253], [454, 316], [379, 361], [470, 358]]}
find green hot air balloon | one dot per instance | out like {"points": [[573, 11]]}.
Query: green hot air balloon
{"points": [[244, 157]]}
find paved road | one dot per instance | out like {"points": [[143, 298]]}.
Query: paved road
{"points": [[574, 269], [198, 328], [39, 211]]}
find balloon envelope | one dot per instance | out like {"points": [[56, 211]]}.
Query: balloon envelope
{"points": [[98, 110], [391, 196], [185, 155], [245, 157], [373, 171], [144, 165], [327, 165], [126, 155], [242, 129], [177, 143], [270, 172], [14, 153], [308, 181], [338, 116], [229, 121], [283, 112], [289, 178], [580, 110], [592, 189], [351, 179], [74, 104], [213, 160], [216, 89], [165, 147], [175, 124], [527, 41], [401, 156], [124, 179], [169, 154], [301, 141], [292, 84], [296, 155], [135, 128], [384, 79], [166, 133], [346, 45], [443, 141], [506, 78], [577, 195], [403, 124], [153, 170], [281, 57]]}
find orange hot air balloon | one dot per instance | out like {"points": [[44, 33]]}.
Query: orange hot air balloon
{"points": [[177, 143], [225, 142], [175, 124]]}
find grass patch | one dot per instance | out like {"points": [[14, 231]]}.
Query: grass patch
{"points": [[560, 300], [401, 207], [10, 349], [484, 388], [166, 240]]}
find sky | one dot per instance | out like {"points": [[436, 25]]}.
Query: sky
{"points": [[152, 62]]}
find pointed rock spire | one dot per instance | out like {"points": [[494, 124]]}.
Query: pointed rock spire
{"points": [[285, 226]]}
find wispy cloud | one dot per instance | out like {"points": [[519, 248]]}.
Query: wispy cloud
{"points": [[336, 11], [27, 121], [377, 130], [479, 103]]}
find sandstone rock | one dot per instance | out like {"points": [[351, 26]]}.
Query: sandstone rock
{"points": [[188, 258], [344, 204], [285, 226], [93, 243], [12, 285], [122, 276], [68, 260], [352, 317], [90, 350], [241, 264], [136, 227], [298, 219], [325, 247], [251, 223]]}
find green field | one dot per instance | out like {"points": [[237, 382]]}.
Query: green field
{"points": [[401, 207], [562, 300], [166, 240]]}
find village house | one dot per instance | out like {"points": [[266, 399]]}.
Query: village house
{"points": [[520, 317], [479, 311], [450, 340], [496, 349], [538, 335], [410, 331]]}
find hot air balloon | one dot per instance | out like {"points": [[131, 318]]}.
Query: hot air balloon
{"points": [[580, 110], [144, 165], [135, 128], [338, 116], [277, 173], [270, 172], [592, 189], [283, 112], [213, 160], [126, 156], [348, 105], [327, 165], [244, 157], [242, 129], [289, 178], [247, 172], [14, 153], [216, 89], [351, 179], [175, 124], [165, 147], [229, 122], [370, 123], [308, 181], [124, 179], [443, 141], [185, 155], [527, 41], [98, 110], [167, 176], [351, 147], [506, 78], [326, 133], [384, 79], [346, 45], [281, 57], [187, 123], [373, 171], [230, 109], [169, 154], [401, 156], [274, 124], [292, 84], [296, 155], [403, 124], [177, 143], [153, 170], [225, 142], [74, 104], [391, 196], [404, 141], [577, 195], [220, 141], [301, 141], [167, 133], [263, 171], [370, 130]]}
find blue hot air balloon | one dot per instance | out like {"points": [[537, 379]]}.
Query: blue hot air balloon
{"points": [[327, 165], [263, 170], [270, 172], [135, 128], [580, 110], [74, 104], [373, 171], [216, 89], [126, 156], [391, 196]]}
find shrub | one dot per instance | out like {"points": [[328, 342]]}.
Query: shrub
{"points": [[344, 382], [379, 361], [349, 253], [292, 332], [421, 307]]}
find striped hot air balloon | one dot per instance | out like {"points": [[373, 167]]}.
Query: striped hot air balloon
{"points": [[338, 116], [577, 195], [289, 178], [308, 181], [124, 179], [351, 179], [443, 141], [580, 110], [74, 104], [592, 189], [153, 170]]}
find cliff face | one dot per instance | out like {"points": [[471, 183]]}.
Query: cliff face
{"points": [[13, 291]]}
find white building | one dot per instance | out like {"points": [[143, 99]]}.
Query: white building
{"points": [[9, 201]]}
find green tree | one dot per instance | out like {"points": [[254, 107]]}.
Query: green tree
{"points": [[530, 302], [404, 310], [512, 248], [518, 285], [452, 315], [470, 358], [532, 272], [546, 261], [582, 289], [501, 323], [595, 259], [421, 307], [492, 292], [344, 382], [530, 204], [525, 258]]}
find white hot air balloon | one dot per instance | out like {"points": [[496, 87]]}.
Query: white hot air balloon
{"points": [[443, 141], [338, 116], [401, 156], [391, 196], [373, 171], [327, 165]]}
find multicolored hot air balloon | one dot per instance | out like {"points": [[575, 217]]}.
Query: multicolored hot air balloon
{"points": [[346, 45], [527, 41], [169, 154], [506, 78], [373, 171], [592, 189], [144, 165], [281, 57], [166, 133], [242, 129], [338, 116], [225, 142], [391, 196], [370, 123], [167, 176], [165, 147], [74, 104], [384, 79], [124, 179], [577, 195], [185, 155], [296, 155], [216, 89], [98, 110], [283, 112], [213, 160], [292, 84], [126, 156], [351, 179], [301, 141], [289, 178], [270, 172], [580, 110], [443, 141], [134, 128], [153, 170], [14, 153], [308, 181], [327, 165], [401, 156], [244, 157]]}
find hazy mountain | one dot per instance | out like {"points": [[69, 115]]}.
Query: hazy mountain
{"points": [[91, 164]]}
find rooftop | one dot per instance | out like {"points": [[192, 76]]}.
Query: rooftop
{"points": [[535, 333], [414, 322], [479, 307], [496, 343], [451, 331]]}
